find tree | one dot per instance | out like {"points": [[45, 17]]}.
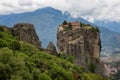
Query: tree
{"points": [[44, 76], [116, 76], [92, 67], [1, 29], [65, 22], [70, 26], [15, 45], [70, 58]]}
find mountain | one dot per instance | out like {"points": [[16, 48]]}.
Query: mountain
{"points": [[110, 40], [109, 36], [111, 25], [46, 22]]}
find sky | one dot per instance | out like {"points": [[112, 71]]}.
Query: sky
{"points": [[91, 10]]}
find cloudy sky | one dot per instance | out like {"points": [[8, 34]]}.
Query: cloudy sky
{"points": [[89, 9]]}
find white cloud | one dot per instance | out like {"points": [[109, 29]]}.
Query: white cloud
{"points": [[25, 2], [89, 9]]}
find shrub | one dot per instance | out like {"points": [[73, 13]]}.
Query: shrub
{"points": [[1, 29], [70, 58], [62, 55], [36, 74], [70, 26], [15, 45], [89, 76], [44, 76], [82, 24], [65, 22], [6, 39], [92, 67], [16, 77], [115, 76], [28, 48], [1, 36], [59, 73], [94, 29]]}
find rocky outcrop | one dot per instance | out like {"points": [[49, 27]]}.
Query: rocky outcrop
{"points": [[26, 32], [83, 43], [5, 28], [51, 49]]}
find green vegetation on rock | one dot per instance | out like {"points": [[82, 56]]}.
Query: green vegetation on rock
{"points": [[1, 29], [65, 22], [92, 67]]}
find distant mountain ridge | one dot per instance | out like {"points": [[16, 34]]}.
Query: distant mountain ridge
{"points": [[111, 25], [110, 41], [46, 21]]}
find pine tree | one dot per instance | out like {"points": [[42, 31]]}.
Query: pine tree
{"points": [[65, 22]]}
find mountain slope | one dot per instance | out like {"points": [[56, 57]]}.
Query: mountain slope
{"points": [[111, 25], [109, 36], [110, 40]]}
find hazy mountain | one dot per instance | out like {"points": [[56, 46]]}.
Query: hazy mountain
{"points": [[112, 25], [46, 21], [110, 40]]}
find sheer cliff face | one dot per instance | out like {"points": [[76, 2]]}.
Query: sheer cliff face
{"points": [[83, 43], [26, 32]]}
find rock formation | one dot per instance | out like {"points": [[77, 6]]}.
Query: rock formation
{"points": [[83, 43], [5, 28], [26, 32], [51, 49]]}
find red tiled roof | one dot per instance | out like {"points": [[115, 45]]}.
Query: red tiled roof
{"points": [[75, 23]]}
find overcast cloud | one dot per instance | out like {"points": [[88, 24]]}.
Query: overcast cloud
{"points": [[89, 9]]}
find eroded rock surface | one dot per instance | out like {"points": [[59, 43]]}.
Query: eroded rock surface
{"points": [[51, 49], [26, 32], [83, 42]]}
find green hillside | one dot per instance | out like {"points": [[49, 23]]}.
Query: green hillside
{"points": [[22, 61]]}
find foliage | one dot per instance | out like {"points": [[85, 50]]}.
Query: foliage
{"points": [[65, 22], [1, 29], [92, 67], [28, 48], [94, 29], [67, 29], [70, 26], [70, 58], [82, 24], [6, 39], [15, 45], [116, 76], [90, 76], [44, 76]]}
